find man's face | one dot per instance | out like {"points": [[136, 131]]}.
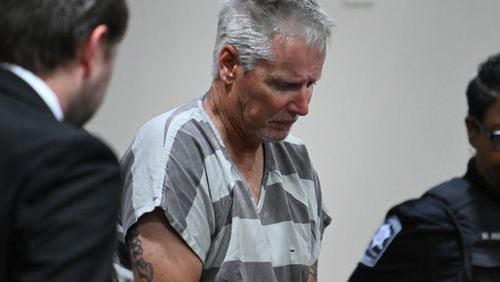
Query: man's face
{"points": [[275, 93], [83, 105], [487, 158]]}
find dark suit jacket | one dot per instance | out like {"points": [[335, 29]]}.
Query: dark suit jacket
{"points": [[59, 193]]}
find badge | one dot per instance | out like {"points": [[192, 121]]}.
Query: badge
{"points": [[490, 236], [384, 236]]}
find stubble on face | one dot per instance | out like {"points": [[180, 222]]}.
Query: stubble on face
{"points": [[278, 127], [253, 115], [84, 103], [279, 90], [80, 109]]}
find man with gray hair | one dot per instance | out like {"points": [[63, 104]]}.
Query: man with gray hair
{"points": [[217, 189]]}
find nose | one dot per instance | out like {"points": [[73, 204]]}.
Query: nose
{"points": [[300, 103]]}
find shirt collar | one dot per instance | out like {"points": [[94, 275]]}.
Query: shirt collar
{"points": [[40, 87], [475, 177]]}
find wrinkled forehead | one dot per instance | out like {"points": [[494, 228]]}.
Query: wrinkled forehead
{"points": [[295, 56]]}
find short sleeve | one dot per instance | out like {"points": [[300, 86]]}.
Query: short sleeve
{"points": [[165, 168], [143, 170]]}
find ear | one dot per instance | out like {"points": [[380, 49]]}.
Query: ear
{"points": [[473, 130], [228, 61], [92, 48]]}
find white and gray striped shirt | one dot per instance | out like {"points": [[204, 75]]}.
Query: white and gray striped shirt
{"points": [[178, 163]]}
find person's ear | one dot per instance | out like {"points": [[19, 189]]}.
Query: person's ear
{"points": [[93, 49], [228, 62], [473, 130]]}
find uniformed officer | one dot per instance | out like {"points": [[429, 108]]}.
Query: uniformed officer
{"points": [[451, 233]]}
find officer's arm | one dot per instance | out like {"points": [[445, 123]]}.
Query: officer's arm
{"points": [[394, 254], [416, 243], [313, 273], [158, 253]]}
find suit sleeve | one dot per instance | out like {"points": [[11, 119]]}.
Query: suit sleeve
{"points": [[69, 212], [416, 242]]}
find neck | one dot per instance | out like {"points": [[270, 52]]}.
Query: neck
{"points": [[483, 177], [245, 152], [228, 121]]}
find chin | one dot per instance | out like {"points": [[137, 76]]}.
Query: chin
{"points": [[268, 137], [82, 107], [79, 121], [79, 115]]}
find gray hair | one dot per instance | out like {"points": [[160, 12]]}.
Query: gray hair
{"points": [[251, 25]]}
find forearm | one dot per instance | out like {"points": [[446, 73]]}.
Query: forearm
{"points": [[159, 254], [313, 273], [143, 270]]}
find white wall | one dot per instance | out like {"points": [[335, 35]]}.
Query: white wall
{"points": [[386, 120]]}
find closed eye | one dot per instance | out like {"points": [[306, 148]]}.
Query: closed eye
{"points": [[284, 86], [289, 86]]}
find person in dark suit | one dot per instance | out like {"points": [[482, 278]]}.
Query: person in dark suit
{"points": [[59, 185]]}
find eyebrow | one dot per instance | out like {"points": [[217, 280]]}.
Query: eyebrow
{"points": [[280, 80]]}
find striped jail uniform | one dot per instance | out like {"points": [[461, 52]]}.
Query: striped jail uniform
{"points": [[178, 163]]}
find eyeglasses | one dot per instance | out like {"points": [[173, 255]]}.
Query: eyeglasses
{"points": [[493, 134]]}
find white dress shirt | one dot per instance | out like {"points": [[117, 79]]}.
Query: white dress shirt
{"points": [[40, 87]]}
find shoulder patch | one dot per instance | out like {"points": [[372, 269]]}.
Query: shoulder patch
{"points": [[382, 239]]}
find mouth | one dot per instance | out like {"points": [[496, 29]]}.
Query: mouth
{"points": [[283, 123], [287, 122]]}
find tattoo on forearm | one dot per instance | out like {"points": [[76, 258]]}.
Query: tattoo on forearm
{"points": [[143, 268], [313, 270]]}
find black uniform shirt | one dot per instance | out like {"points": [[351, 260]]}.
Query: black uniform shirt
{"points": [[428, 240]]}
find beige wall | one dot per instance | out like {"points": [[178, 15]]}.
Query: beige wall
{"points": [[386, 119]]}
